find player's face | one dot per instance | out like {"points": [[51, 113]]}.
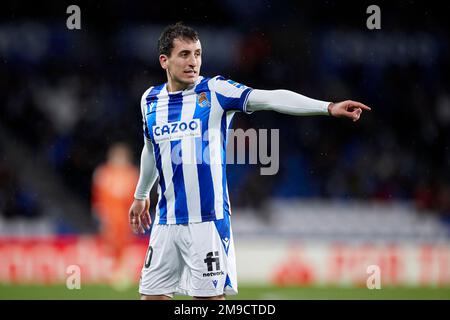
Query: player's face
{"points": [[183, 64]]}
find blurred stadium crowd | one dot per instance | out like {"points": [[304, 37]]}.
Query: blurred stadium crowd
{"points": [[67, 95]]}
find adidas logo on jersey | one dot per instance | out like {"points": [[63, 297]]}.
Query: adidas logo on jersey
{"points": [[177, 130]]}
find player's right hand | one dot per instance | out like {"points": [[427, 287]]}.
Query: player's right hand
{"points": [[139, 216], [347, 109]]}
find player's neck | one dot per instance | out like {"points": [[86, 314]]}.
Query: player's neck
{"points": [[174, 86]]}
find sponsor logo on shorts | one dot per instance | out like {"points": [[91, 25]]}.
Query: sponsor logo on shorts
{"points": [[212, 259], [212, 274], [212, 262]]}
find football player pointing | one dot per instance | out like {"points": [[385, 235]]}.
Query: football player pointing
{"points": [[191, 248]]}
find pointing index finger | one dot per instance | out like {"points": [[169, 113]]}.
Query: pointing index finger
{"points": [[360, 105]]}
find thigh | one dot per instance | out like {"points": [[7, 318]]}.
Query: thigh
{"points": [[162, 267], [208, 252]]}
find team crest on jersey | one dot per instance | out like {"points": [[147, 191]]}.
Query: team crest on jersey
{"points": [[202, 100]]}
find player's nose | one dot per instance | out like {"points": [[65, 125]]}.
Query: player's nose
{"points": [[192, 61]]}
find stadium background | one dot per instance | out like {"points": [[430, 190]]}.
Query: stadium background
{"points": [[347, 195]]}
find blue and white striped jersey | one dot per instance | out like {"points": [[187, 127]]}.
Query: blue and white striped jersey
{"points": [[188, 132]]}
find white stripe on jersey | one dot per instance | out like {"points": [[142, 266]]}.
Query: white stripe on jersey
{"points": [[215, 154], [189, 161]]}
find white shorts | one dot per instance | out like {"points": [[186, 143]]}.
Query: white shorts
{"points": [[195, 259]]}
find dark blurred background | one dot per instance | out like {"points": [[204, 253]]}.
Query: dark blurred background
{"points": [[67, 95]]}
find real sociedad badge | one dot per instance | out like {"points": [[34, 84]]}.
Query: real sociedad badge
{"points": [[202, 100]]}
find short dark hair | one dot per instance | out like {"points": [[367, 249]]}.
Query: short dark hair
{"points": [[172, 32]]}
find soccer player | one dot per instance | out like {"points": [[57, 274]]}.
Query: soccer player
{"points": [[191, 249]]}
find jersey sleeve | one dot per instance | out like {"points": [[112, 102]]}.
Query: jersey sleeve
{"points": [[148, 172], [144, 113], [285, 101], [231, 95]]}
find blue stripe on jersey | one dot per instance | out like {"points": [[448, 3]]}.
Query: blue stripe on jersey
{"points": [[152, 101], [150, 112], [229, 103], [203, 161], [146, 133], [181, 210], [202, 86], [224, 136]]}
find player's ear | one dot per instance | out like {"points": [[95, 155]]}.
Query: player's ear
{"points": [[163, 61]]}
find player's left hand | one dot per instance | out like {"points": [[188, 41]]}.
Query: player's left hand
{"points": [[347, 109]]}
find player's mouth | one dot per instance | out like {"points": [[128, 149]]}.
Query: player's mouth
{"points": [[190, 73]]}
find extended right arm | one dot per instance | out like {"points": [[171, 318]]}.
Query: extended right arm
{"points": [[289, 102]]}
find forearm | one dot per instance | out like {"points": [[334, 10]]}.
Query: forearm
{"points": [[285, 101], [148, 172]]}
